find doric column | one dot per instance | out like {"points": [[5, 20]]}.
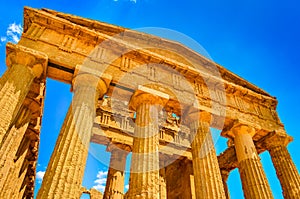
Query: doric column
{"points": [[207, 176], [144, 171], [12, 141], [162, 177], [24, 65], [286, 170], [225, 175], [115, 178], [254, 181], [10, 146], [65, 170]]}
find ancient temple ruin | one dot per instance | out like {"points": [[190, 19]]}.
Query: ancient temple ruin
{"points": [[140, 94]]}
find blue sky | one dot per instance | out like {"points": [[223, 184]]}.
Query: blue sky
{"points": [[258, 40]]}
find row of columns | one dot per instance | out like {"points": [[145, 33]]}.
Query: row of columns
{"points": [[65, 171]]}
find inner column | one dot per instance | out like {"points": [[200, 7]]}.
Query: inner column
{"points": [[114, 188], [208, 180], [144, 171]]}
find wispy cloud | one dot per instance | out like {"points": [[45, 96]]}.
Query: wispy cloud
{"points": [[100, 181], [133, 1], [13, 33], [40, 176]]}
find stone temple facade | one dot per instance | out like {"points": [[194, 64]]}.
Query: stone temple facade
{"points": [[140, 94]]}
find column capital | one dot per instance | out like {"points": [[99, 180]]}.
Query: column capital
{"points": [[20, 55], [85, 76], [115, 146], [147, 95], [240, 127], [194, 114], [276, 138]]}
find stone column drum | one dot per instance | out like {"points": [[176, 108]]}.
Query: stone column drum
{"points": [[115, 178], [225, 175], [254, 181], [144, 172], [24, 65], [207, 176], [65, 170], [286, 170]]}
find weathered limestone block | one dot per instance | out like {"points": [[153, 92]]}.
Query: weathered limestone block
{"points": [[162, 184], [144, 171], [29, 64], [225, 175], [254, 181], [65, 171], [10, 179], [11, 143], [115, 178], [286, 170], [208, 180], [95, 194], [179, 178]]}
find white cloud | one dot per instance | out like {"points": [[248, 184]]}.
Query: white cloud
{"points": [[3, 39], [13, 33], [127, 186], [100, 181], [40, 176]]}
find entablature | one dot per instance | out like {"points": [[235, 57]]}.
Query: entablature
{"points": [[68, 44]]}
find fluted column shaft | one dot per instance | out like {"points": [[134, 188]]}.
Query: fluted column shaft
{"points": [[144, 174], [24, 66], [115, 178], [254, 181], [286, 171], [65, 170], [10, 146], [208, 180], [162, 184], [13, 90], [225, 175], [10, 172]]}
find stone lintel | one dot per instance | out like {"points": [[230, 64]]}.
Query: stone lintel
{"points": [[37, 61], [147, 95], [95, 36], [82, 69]]}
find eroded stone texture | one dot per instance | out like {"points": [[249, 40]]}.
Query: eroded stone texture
{"points": [[68, 41], [286, 170], [114, 188], [13, 89], [144, 171], [208, 180], [179, 177], [225, 175], [254, 181], [65, 171], [162, 183]]}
